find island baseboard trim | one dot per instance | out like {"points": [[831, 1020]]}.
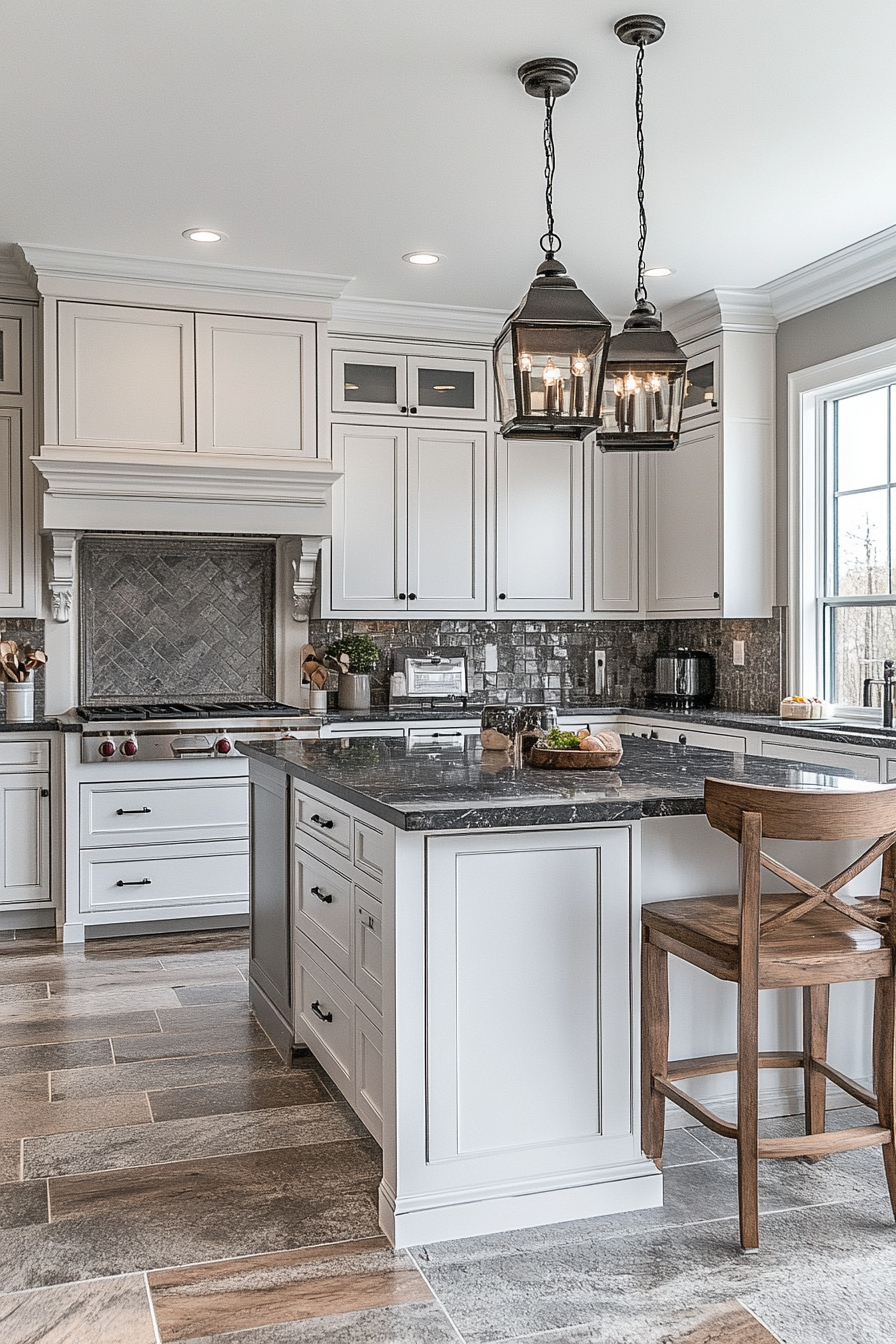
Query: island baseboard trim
{"points": [[640, 1187]]}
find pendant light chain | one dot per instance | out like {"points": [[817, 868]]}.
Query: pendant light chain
{"points": [[640, 288], [550, 242]]}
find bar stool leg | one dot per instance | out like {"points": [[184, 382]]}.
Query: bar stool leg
{"points": [[654, 1045], [885, 1041], [748, 1102], [816, 1002]]}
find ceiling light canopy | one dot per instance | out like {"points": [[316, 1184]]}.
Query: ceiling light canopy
{"points": [[422, 258], [550, 356], [204, 235], [653, 272], [643, 389]]}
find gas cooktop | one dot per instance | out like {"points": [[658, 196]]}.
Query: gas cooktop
{"points": [[219, 709]]}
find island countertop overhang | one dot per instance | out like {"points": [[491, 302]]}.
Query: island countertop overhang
{"points": [[449, 789]]}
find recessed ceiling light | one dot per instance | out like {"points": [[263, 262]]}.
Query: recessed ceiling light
{"points": [[654, 271], [422, 258], [204, 235]]}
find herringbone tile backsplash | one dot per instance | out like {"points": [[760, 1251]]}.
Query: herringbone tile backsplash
{"points": [[176, 618]]}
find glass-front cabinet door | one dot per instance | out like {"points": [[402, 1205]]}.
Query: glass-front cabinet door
{"points": [[701, 389], [370, 383], [449, 390], [427, 386]]}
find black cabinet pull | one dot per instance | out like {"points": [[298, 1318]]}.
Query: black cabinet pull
{"points": [[715, 594], [403, 410], [654, 735], [327, 825], [324, 896], [141, 882], [682, 739], [413, 410], [45, 793], [502, 597], [412, 597], [402, 597], [324, 1017], [131, 811]]}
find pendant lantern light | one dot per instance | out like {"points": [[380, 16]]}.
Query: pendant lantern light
{"points": [[550, 355], [644, 385]]}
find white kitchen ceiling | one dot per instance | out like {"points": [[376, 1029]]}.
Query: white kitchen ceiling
{"points": [[333, 136]]}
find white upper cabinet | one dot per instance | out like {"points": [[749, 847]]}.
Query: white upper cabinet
{"points": [[446, 521], [540, 524], [11, 508], [126, 377], [255, 386], [684, 524], [369, 519], [614, 552], [11, 336], [408, 520], [431, 386]]}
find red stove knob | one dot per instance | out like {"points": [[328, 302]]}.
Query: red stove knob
{"points": [[223, 745], [107, 747], [129, 747]]}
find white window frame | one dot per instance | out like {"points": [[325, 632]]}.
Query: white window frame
{"points": [[807, 392]]}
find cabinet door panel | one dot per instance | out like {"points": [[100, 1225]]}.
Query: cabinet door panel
{"points": [[615, 534], [11, 356], [11, 502], [255, 386], [446, 521], [24, 838], [447, 389], [540, 526], [527, 958], [125, 377], [864, 767], [369, 519], [371, 383], [684, 525]]}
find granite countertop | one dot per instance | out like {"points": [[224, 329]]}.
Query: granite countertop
{"points": [[36, 726], [452, 788], [825, 730]]}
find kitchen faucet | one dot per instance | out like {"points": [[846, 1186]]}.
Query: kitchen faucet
{"points": [[887, 684]]}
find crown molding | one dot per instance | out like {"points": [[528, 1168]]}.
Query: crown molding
{"points": [[721, 310], [55, 264], [859, 266], [354, 316]]}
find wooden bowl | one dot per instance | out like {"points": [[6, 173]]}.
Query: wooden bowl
{"points": [[558, 758]]}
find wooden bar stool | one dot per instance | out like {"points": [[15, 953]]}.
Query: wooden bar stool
{"points": [[768, 942]]}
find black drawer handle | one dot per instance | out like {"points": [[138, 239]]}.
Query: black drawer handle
{"points": [[682, 739], [142, 882], [324, 896], [324, 1017], [132, 811], [327, 825], [45, 793]]}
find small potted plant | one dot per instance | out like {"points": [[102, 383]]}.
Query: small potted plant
{"points": [[354, 657]]}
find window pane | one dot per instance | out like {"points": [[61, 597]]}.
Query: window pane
{"points": [[862, 638], [862, 440], [860, 547]]}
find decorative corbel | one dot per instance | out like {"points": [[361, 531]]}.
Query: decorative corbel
{"points": [[303, 577], [61, 577]]}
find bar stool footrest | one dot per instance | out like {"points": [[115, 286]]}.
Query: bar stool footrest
{"points": [[819, 1145]]}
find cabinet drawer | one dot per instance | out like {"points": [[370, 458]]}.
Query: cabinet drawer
{"points": [[164, 810], [864, 767], [324, 1018], [369, 1074], [323, 909], [369, 947], [165, 877], [327, 824], [24, 755], [370, 849]]}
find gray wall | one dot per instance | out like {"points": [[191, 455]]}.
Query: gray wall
{"points": [[854, 323]]}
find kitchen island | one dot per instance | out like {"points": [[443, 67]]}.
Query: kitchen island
{"points": [[461, 955]]}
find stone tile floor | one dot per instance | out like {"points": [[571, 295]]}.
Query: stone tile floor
{"points": [[164, 1176]]}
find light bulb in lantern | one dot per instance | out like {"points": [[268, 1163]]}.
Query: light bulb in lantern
{"points": [[525, 367], [553, 388], [577, 390], [525, 363], [631, 383]]}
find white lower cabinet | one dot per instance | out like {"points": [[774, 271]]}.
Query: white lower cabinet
{"points": [[164, 877], [712, 739], [528, 958], [158, 811], [863, 766], [24, 838]]}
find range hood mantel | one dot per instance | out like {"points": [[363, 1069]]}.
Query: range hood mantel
{"points": [[162, 493]]}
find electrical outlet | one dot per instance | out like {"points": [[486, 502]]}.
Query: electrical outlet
{"points": [[600, 671], [491, 658], [739, 652]]}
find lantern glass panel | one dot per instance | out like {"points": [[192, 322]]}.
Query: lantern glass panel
{"points": [[504, 379], [642, 400], [549, 373]]}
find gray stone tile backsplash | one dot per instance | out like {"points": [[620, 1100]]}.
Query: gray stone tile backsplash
{"points": [[176, 618], [553, 662]]}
